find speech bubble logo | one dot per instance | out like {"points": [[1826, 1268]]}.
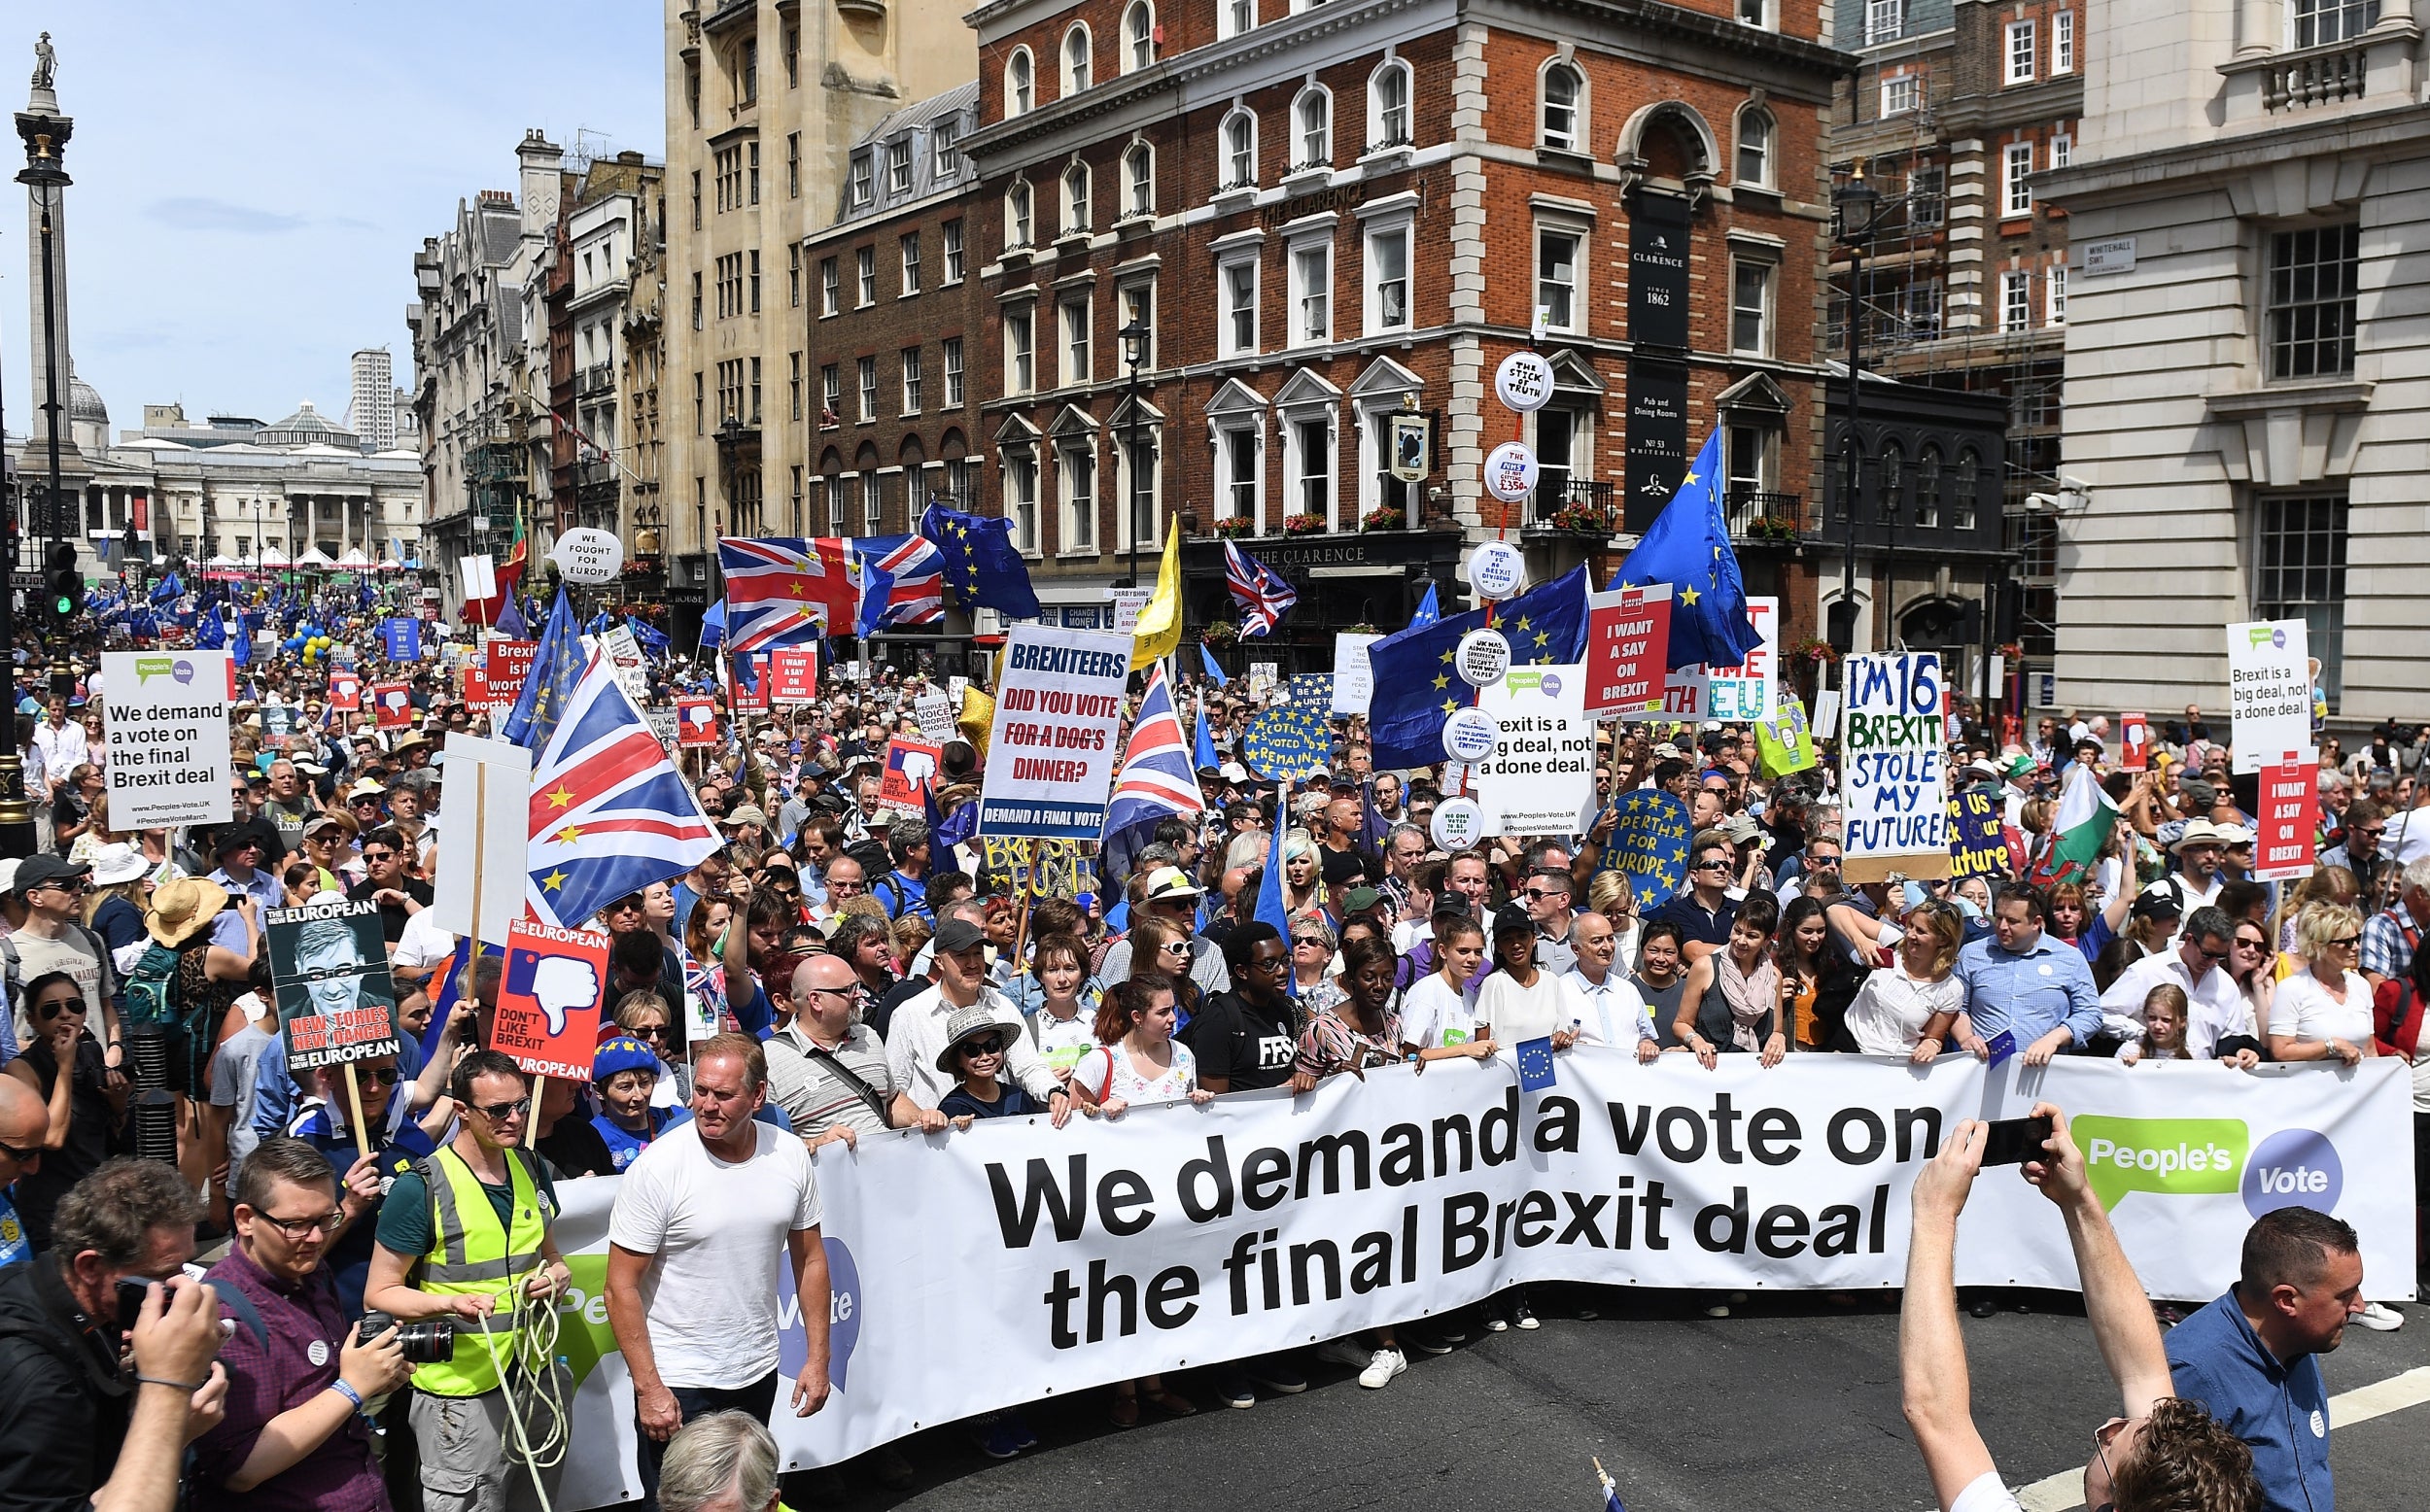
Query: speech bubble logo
{"points": [[148, 667], [2168, 1156], [560, 983], [2294, 1168], [2259, 634], [843, 1315], [182, 672]]}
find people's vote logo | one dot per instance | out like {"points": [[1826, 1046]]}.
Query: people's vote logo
{"points": [[2294, 1168], [843, 1315], [2168, 1156]]}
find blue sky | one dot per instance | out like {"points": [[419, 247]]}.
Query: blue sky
{"points": [[253, 180]]}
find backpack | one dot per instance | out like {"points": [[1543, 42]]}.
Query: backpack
{"points": [[152, 995]]}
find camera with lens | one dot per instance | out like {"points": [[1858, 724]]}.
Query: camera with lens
{"points": [[426, 1341]]}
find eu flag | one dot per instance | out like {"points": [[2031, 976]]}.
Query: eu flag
{"points": [[556, 670], [1535, 1065], [1416, 688], [1429, 610], [983, 570], [1690, 548]]}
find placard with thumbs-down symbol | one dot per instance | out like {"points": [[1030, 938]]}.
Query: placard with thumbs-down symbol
{"points": [[548, 1006]]}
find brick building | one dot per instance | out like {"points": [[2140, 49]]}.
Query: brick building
{"points": [[1311, 220]]}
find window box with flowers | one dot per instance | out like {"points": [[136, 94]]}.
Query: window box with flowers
{"points": [[1382, 517], [1305, 524], [1772, 527], [1582, 519], [1237, 527]]}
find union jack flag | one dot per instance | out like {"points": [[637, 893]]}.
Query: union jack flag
{"points": [[1260, 591], [784, 590], [1158, 779], [902, 582], [608, 814]]}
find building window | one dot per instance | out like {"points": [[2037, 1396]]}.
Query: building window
{"points": [[1890, 486], [1388, 279], [2314, 23], [872, 503], [1020, 83], [1754, 12], [1556, 454], [2300, 574], [791, 40], [1927, 196], [1561, 116], [728, 161], [863, 186], [1927, 488], [865, 276], [2061, 150], [1311, 292], [746, 75], [1077, 367], [754, 152], [2055, 296], [1312, 485], [830, 396], [1238, 498], [1018, 225], [944, 157], [1239, 294], [1076, 465], [794, 382], [1138, 36], [1235, 16], [1754, 147], [696, 301], [1902, 93], [1239, 149], [754, 281], [2016, 179], [729, 285], [1920, 310], [1020, 498], [755, 410], [868, 389], [1075, 60], [952, 231], [1313, 127], [1751, 306], [953, 346], [1138, 310], [830, 288], [700, 408], [911, 265], [898, 168], [1139, 180], [696, 199], [2312, 301], [2062, 42], [1556, 279], [1076, 219], [911, 380], [2020, 53], [793, 275], [1885, 20], [1745, 458], [1388, 106], [1968, 481], [1020, 353], [2015, 299]]}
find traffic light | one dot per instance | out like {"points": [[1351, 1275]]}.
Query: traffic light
{"points": [[62, 586]]}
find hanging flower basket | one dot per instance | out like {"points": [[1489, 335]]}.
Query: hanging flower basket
{"points": [[1303, 525], [1237, 527], [1362, 628], [1817, 651], [1221, 633], [1383, 518]]}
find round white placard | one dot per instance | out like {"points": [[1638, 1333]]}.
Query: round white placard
{"points": [[1523, 382], [1470, 735], [1510, 472], [1458, 823], [1497, 569], [1484, 655]]}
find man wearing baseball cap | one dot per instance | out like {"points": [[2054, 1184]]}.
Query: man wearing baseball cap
{"points": [[54, 940]]}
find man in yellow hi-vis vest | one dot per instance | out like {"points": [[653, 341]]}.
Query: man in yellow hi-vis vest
{"points": [[465, 1237]]}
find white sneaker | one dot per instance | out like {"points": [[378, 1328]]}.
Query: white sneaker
{"points": [[2380, 1318], [1344, 1352], [1381, 1371]]}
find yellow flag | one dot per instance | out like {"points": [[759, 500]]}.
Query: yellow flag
{"points": [[1159, 623]]}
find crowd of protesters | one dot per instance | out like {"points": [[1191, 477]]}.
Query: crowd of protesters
{"points": [[864, 972]]}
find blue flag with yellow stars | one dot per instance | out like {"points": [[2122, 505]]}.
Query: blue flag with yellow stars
{"points": [[1535, 1065], [1416, 688], [1311, 691], [1288, 742], [556, 670], [1690, 548], [1649, 846], [982, 568]]}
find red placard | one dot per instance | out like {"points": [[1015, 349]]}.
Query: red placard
{"points": [[2290, 802], [391, 705], [1628, 644], [908, 764], [345, 692], [696, 722], [509, 661], [548, 1003], [2134, 742], [746, 685], [793, 675], [477, 693]]}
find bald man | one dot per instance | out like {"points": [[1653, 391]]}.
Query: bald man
{"points": [[827, 1070], [24, 1122]]}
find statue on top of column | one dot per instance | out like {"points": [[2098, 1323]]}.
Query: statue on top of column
{"points": [[45, 62]]}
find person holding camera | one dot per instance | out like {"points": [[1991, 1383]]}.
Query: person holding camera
{"points": [[295, 1435], [106, 1366], [466, 1238]]}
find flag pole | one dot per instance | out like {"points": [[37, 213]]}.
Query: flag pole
{"points": [[354, 1106], [1029, 892]]}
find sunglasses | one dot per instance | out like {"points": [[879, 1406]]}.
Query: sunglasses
{"points": [[58, 1007], [990, 1045], [500, 1113], [21, 1157], [380, 1078], [1175, 947], [1539, 895], [379, 855], [2347, 943]]}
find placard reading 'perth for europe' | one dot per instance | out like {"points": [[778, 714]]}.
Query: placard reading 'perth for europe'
{"points": [[1539, 778], [163, 711], [1058, 731], [2269, 691], [329, 972], [1897, 812]]}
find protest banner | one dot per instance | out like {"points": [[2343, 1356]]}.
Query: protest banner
{"points": [[392, 705], [1892, 744], [1048, 868], [549, 1000], [400, 639], [625, 660], [903, 785], [1056, 735], [2290, 812], [1540, 777], [1649, 846], [345, 692], [478, 889], [476, 691], [2134, 742], [1628, 641], [697, 722], [1976, 846], [665, 723], [1354, 681], [793, 676], [509, 661], [748, 686], [165, 737], [2269, 693], [1744, 692], [1287, 742], [1185, 1235], [935, 713]]}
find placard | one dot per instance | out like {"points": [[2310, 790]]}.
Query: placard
{"points": [[1354, 681], [1649, 846], [2269, 691], [1263, 677], [665, 723], [1745, 693], [165, 737], [1287, 742], [1128, 603], [392, 705], [1540, 777], [698, 722], [549, 1000], [1976, 845], [746, 685], [626, 662], [1896, 813], [509, 661], [1628, 644], [2134, 742], [489, 827], [1523, 382], [329, 972], [345, 692], [481, 576], [935, 713], [903, 785], [477, 690], [588, 554], [1057, 734], [2290, 813], [793, 676], [1511, 471], [400, 639]]}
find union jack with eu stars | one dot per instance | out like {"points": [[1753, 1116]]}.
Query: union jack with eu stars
{"points": [[785, 590]]}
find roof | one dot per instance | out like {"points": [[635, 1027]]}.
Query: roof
{"points": [[916, 127]]}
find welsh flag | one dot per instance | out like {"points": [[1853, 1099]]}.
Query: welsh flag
{"points": [[2085, 821]]}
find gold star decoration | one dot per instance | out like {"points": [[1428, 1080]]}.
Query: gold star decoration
{"points": [[1688, 597], [555, 880], [560, 796]]}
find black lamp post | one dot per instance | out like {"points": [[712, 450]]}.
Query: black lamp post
{"points": [[1135, 339], [1858, 207]]}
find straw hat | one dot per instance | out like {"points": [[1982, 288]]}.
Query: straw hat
{"points": [[180, 907]]}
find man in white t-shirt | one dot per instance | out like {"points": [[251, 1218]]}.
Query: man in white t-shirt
{"points": [[2199, 968], [702, 1218]]}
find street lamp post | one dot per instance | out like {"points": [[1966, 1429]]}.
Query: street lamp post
{"points": [[1851, 199], [1135, 339]]}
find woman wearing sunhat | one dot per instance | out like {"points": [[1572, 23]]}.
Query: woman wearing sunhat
{"points": [[186, 1000]]}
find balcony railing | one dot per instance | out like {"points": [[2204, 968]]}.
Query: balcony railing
{"points": [[2320, 77], [1764, 515], [1583, 506], [598, 378]]}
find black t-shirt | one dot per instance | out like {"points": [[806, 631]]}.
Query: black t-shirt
{"points": [[575, 1148], [393, 915], [1241, 1043], [881, 1017], [1340, 866], [66, 809], [1663, 1004]]}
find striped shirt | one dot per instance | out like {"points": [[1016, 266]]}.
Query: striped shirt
{"points": [[816, 1096]]}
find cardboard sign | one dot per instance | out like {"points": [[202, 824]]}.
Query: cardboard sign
{"points": [[908, 764], [1648, 844], [329, 972], [1129, 602], [935, 713], [626, 661], [746, 685], [697, 722], [345, 692], [509, 661], [165, 737], [793, 676], [1976, 845], [1354, 681], [391, 705], [2290, 802], [1744, 692], [2269, 691], [1628, 644], [1540, 777], [2134, 742], [1895, 815], [666, 724], [548, 1002], [400, 639], [489, 827], [1057, 734], [476, 691]]}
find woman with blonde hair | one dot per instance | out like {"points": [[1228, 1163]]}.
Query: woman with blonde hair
{"points": [[2326, 884], [1909, 1008], [98, 832], [2323, 1012], [1611, 895], [1303, 894]]}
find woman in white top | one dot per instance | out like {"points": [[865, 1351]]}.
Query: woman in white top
{"points": [[1519, 1001], [1063, 1028], [2324, 1010], [1906, 1009], [1137, 1060]]}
